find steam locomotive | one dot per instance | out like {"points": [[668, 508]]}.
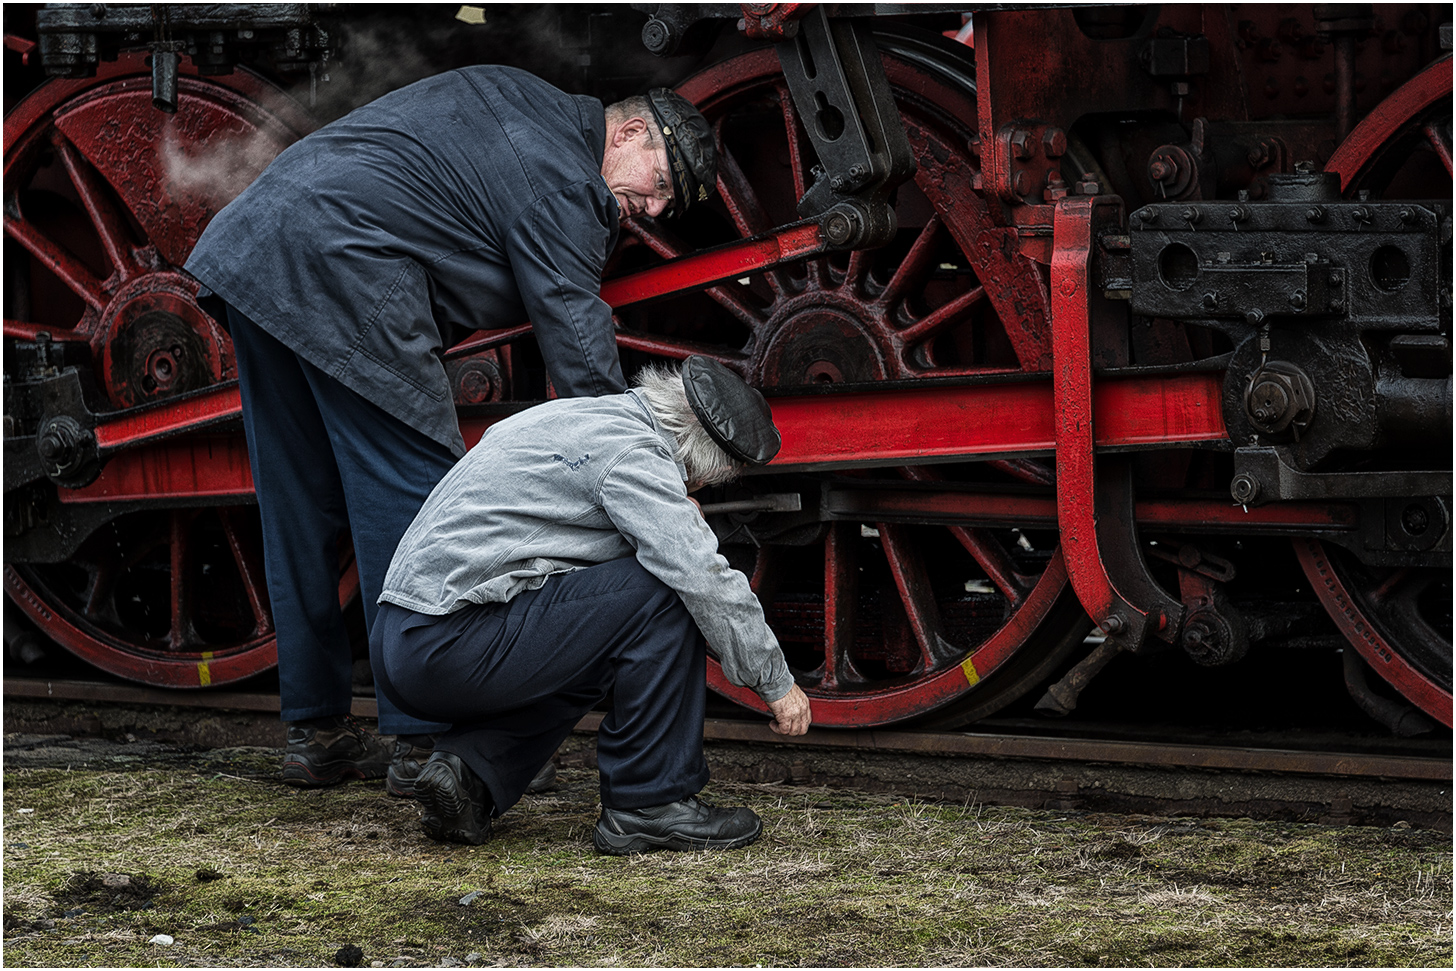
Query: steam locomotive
{"points": [[1131, 320]]}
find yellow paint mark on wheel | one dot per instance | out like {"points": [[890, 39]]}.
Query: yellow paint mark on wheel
{"points": [[969, 666], [204, 674]]}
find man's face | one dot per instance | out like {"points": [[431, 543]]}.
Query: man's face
{"points": [[637, 171]]}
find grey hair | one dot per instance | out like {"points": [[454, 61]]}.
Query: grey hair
{"points": [[636, 106], [704, 459]]}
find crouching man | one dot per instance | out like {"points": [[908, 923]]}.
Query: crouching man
{"points": [[560, 560]]}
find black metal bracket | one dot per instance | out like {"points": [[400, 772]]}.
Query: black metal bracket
{"points": [[839, 87], [1262, 474], [63, 448]]}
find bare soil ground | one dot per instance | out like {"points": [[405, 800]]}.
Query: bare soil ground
{"points": [[104, 852]]}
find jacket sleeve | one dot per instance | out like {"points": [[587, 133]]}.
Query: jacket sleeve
{"points": [[557, 249], [646, 500]]}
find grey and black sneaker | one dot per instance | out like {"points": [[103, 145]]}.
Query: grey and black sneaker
{"points": [[409, 760], [325, 752], [456, 805], [688, 824]]}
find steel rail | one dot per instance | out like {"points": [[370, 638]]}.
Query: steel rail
{"points": [[976, 744]]}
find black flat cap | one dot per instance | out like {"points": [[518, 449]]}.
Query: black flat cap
{"points": [[735, 415], [691, 154]]}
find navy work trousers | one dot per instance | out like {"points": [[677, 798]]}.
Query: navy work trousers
{"points": [[514, 678], [325, 459]]}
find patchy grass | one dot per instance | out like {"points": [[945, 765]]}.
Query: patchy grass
{"points": [[241, 870]]}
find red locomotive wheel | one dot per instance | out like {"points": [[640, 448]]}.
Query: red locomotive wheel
{"points": [[881, 622], [1410, 129], [105, 197], [169, 598], [1399, 620]]}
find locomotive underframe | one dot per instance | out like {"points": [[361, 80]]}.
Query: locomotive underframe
{"points": [[1316, 370]]}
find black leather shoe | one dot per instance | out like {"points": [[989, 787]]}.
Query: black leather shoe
{"points": [[409, 761], [456, 804], [324, 753], [688, 824]]}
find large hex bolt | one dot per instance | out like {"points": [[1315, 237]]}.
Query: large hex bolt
{"points": [[62, 446], [656, 36], [1279, 398], [476, 382], [842, 225], [1212, 637], [1172, 170], [1245, 488], [1021, 143]]}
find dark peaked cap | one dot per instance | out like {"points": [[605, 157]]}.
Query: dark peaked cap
{"points": [[691, 154], [735, 415]]}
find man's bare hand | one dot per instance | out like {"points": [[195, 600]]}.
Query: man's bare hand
{"points": [[790, 713]]}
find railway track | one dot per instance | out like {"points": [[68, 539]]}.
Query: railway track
{"points": [[1075, 745]]}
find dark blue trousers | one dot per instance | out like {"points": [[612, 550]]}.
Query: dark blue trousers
{"points": [[325, 460], [514, 678]]}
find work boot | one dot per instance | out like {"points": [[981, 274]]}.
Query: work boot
{"points": [[326, 751], [410, 754], [688, 824], [456, 804], [409, 759]]}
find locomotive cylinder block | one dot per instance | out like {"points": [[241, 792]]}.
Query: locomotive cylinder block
{"points": [[1378, 265]]}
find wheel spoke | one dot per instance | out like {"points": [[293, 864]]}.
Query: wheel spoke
{"points": [[1439, 143], [841, 594], [71, 271], [1026, 470], [181, 636], [940, 318], [914, 266], [743, 205], [677, 349], [250, 571], [729, 298], [908, 568], [767, 572], [989, 555], [738, 195], [99, 605], [857, 273], [109, 225], [791, 129]]}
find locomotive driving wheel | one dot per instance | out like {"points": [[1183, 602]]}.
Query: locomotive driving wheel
{"points": [[1398, 619], [105, 197], [881, 622]]}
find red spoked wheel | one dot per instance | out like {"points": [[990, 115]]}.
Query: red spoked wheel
{"points": [[881, 622], [174, 598], [1398, 619], [105, 197]]}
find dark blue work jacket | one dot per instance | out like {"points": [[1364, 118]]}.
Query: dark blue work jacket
{"points": [[472, 198]]}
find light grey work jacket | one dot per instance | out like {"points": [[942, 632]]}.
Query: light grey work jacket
{"points": [[566, 485]]}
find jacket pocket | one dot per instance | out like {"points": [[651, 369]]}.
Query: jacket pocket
{"points": [[400, 339]]}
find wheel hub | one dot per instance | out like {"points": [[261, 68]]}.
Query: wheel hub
{"points": [[159, 342], [816, 342]]}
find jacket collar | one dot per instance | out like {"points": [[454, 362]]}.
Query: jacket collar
{"points": [[668, 441]]}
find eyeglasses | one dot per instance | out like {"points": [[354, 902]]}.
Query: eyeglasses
{"points": [[662, 180]]}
